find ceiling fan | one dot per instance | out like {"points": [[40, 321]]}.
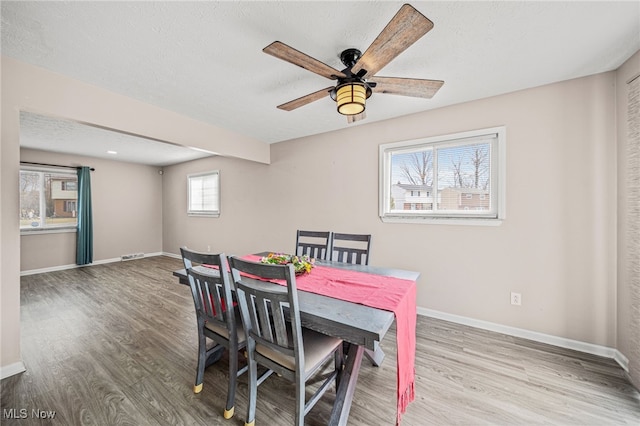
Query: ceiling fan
{"points": [[357, 81]]}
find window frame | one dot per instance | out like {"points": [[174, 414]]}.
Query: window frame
{"points": [[48, 229], [204, 212], [497, 178]]}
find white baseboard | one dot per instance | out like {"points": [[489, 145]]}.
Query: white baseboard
{"points": [[175, 256], [562, 342], [622, 360], [73, 266], [12, 370]]}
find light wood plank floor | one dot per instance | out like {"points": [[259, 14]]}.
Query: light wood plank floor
{"points": [[116, 344]]}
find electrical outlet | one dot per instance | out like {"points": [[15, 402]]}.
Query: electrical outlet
{"points": [[208, 249], [516, 298]]}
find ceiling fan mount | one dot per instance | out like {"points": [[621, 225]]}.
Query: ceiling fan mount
{"points": [[349, 57], [358, 81]]}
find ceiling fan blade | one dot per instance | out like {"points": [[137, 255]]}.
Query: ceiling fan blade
{"points": [[415, 87], [307, 99], [295, 57], [357, 117], [404, 29]]}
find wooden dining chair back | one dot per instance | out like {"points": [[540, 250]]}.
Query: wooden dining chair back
{"points": [[314, 244], [216, 316], [275, 337], [351, 248]]}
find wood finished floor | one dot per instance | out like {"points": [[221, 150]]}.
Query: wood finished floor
{"points": [[115, 344]]}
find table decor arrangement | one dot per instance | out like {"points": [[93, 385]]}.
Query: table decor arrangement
{"points": [[302, 264]]}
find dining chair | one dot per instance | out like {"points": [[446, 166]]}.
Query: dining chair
{"points": [[275, 338], [217, 318], [350, 248], [315, 244], [354, 249]]}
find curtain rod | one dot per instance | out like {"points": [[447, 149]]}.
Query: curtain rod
{"points": [[54, 165]]}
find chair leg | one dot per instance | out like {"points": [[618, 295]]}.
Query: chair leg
{"points": [[253, 392], [339, 364], [300, 400], [202, 360], [233, 378]]}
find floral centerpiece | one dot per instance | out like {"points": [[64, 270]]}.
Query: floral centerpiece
{"points": [[301, 264]]}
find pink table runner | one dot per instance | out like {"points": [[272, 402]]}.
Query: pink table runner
{"points": [[377, 291]]}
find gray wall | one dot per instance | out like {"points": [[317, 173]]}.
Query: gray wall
{"points": [[29, 88], [127, 213], [556, 247]]}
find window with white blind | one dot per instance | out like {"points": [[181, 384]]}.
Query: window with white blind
{"points": [[204, 194], [457, 178]]}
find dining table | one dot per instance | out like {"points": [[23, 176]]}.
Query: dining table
{"points": [[362, 326]]}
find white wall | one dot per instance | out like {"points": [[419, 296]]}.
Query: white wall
{"points": [[127, 213], [556, 247]]}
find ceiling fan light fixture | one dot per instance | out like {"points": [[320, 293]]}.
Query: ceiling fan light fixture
{"points": [[357, 81], [351, 98]]}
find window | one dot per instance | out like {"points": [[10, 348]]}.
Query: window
{"points": [[70, 206], [69, 185], [457, 178], [48, 199], [204, 194]]}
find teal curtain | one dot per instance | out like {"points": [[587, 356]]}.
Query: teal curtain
{"points": [[84, 247]]}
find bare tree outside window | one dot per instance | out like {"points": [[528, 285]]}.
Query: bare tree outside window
{"points": [[481, 169], [469, 167], [47, 199], [30, 188], [449, 176], [417, 168]]}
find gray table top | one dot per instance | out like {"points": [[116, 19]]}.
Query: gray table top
{"points": [[355, 323]]}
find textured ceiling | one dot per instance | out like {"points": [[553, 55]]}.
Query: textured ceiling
{"points": [[205, 59], [57, 135]]}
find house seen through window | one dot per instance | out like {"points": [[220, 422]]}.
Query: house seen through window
{"points": [[458, 176], [48, 199]]}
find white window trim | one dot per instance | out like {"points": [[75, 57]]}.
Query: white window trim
{"points": [[499, 174], [57, 230], [203, 213]]}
